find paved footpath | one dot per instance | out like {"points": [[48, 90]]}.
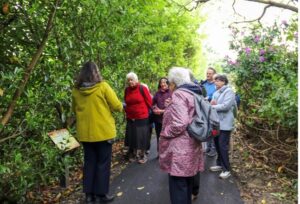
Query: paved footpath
{"points": [[147, 184]]}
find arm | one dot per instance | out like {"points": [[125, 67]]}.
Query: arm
{"points": [[148, 98], [179, 115], [228, 102], [112, 99]]}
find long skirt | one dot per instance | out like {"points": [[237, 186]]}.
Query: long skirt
{"points": [[137, 134]]}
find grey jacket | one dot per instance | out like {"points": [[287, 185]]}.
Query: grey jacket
{"points": [[225, 98]]}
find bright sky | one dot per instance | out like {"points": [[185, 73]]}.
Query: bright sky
{"points": [[220, 14]]}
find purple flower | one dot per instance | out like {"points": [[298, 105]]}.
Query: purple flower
{"points": [[284, 22], [247, 50], [296, 35], [262, 59], [232, 62], [262, 52], [257, 38]]}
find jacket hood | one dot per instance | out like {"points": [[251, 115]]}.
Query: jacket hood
{"points": [[88, 88], [192, 87]]}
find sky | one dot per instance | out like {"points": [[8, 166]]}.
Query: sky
{"points": [[220, 14]]}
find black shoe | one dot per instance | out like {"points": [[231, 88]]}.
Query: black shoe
{"points": [[89, 198], [104, 199]]}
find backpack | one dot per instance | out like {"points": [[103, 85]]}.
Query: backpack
{"points": [[206, 123]]}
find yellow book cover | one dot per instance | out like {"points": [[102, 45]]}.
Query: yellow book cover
{"points": [[63, 140]]}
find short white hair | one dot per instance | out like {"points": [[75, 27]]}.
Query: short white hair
{"points": [[179, 76], [133, 76]]}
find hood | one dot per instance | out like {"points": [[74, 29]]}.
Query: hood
{"points": [[88, 88], [192, 87]]}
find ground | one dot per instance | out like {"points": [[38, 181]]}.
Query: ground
{"points": [[257, 182]]}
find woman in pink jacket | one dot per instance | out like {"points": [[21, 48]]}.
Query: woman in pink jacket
{"points": [[180, 155]]}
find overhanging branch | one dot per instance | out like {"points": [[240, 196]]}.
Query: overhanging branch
{"points": [[277, 4]]}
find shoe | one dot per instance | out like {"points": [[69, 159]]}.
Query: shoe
{"points": [[143, 159], [215, 168], [89, 198], [211, 153], [148, 152], [104, 199], [225, 174], [194, 197]]}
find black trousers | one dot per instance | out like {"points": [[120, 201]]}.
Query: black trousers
{"points": [[222, 147], [180, 189], [196, 184], [158, 128], [96, 170]]}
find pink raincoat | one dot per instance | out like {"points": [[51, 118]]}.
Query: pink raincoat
{"points": [[179, 154]]}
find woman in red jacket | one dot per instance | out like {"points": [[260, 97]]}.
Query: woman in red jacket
{"points": [[138, 102]]}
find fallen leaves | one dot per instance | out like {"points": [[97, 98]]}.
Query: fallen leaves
{"points": [[119, 194]]}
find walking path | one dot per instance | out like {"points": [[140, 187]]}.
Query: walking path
{"points": [[147, 184]]}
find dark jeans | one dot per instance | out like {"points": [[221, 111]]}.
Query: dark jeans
{"points": [[222, 147], [158, 127], [196, 184], [180, 189], [96, 170]]}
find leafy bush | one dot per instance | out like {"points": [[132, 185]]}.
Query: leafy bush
{"points": [[146, 37], [265, 73]]}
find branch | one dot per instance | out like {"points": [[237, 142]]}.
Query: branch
{"points": [[30, 67], [276, 4], [256, 19]]}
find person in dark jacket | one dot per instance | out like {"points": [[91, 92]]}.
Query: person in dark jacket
{"points": [[158, 106]]}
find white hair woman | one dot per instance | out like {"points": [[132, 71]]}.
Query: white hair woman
{"points": [[138, 102], [180, 155]]}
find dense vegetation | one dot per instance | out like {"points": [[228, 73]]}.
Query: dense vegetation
{"points": [[265, 74], [44, 43]]}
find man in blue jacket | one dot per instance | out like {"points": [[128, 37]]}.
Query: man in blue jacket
{"points": [[210, 89]]}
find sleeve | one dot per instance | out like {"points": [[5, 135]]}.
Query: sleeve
{"points": [[228, 102], [148, 98], [179, 115], [112, 99], [73, 102], [154, 100]]}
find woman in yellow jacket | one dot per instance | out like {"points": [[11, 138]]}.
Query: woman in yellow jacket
{"points": [[93, 102]]}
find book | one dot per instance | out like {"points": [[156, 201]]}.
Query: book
{"points": [[63, 140]]}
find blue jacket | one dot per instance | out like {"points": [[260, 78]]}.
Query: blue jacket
{"points": [[210, 88], [225, 98]]}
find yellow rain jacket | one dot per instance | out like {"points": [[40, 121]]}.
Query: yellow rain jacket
{"points": [[93, 107]]}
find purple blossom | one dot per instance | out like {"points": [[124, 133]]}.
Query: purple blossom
{"points": [[247, 50], [296, 35], [257, 38], [262, 52], [284, 22], [232, 62], [262, 59]]}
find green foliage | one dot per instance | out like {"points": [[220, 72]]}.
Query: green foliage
{"points": [[147, 37], [266, 73]]}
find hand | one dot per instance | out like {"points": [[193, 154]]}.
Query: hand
{"points": [[213, 102], [168, 102]]}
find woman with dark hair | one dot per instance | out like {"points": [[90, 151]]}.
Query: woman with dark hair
{"points": [[93, 101], [161, 96], [223, 101]]}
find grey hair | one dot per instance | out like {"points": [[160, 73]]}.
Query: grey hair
{"points": [[133, 76], [179, 76], [221, 77]]}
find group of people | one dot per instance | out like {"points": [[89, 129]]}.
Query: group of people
{"points": [[172, 110]]}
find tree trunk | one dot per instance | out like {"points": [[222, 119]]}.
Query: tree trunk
{"points": [[30, 67]]}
